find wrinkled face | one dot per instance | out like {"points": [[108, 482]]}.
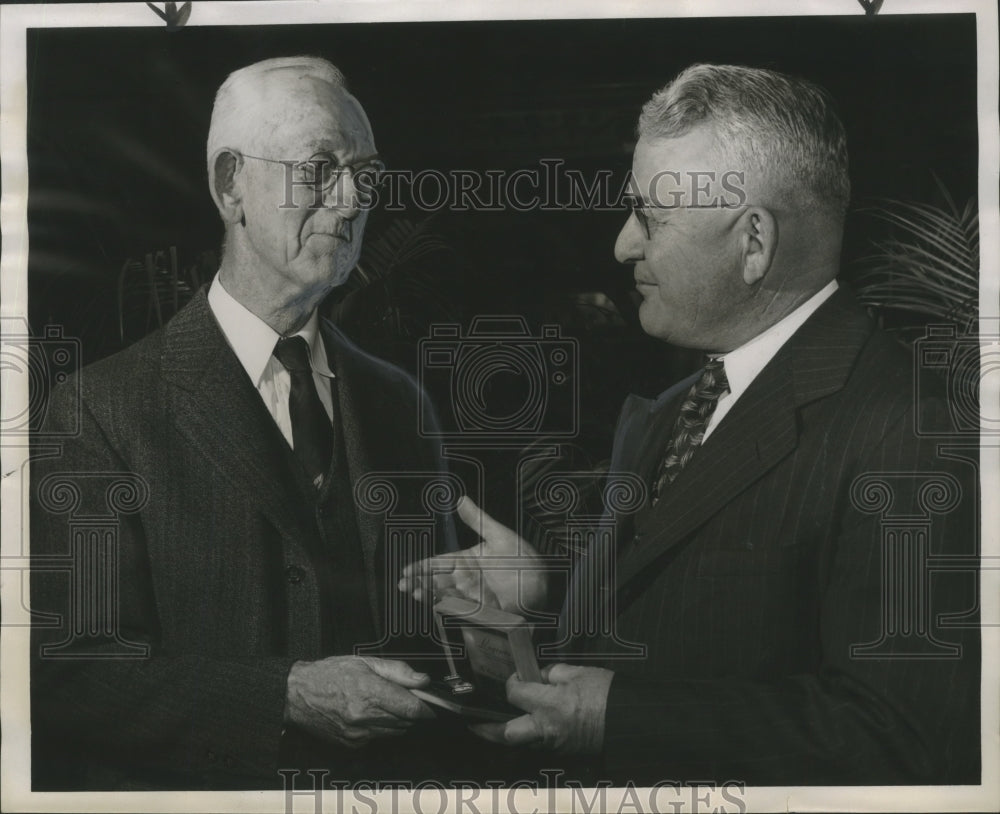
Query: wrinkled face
{"points": [[311, 247], [688, 270]]}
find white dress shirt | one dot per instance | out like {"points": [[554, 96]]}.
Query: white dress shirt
{"points": [[253, 341], [747, 361]]}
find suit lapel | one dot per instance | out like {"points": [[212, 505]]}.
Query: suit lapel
{"points": [[636, 422], [635, 444], [220, 412], [759, 431], [742, 449]]}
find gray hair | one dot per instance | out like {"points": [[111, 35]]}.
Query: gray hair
{"points": [[782, 126], [239, 110]]}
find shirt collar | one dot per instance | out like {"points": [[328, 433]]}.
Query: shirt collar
{"points": [[253, 340], [317, 349], [747, 361]]}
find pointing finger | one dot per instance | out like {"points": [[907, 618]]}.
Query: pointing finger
{"points": [[484, 525], [430, 566]]}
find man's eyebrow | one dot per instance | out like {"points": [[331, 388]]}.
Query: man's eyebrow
{"points": [[646, 203], [343, 149], [327, 147], [329, 142]]}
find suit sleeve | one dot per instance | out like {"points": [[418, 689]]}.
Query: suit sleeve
{"points": [[857, 718], [162, 715]]}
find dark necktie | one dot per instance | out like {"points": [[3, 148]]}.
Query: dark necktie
{"points": [[312, 434], [692, 421]]}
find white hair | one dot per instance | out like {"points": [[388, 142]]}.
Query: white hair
{"points": [[782, 126], [241, 103]]}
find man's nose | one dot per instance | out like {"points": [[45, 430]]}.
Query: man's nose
{"points": [[629, 245], [343, 195]]}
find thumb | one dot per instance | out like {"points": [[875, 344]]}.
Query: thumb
{"points": [[558, 673], [398, 672]]}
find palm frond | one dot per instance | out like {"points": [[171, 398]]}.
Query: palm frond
{"points": [[403, 241], [401, 283], [930, 266]]}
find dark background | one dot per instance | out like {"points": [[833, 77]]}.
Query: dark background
{"points": [[117, 122]]}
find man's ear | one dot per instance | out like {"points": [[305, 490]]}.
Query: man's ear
{"points": [[223, 170], [759, 243]]}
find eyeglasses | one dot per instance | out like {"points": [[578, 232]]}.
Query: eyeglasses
{"points": [[638, 207], [324, 171]]}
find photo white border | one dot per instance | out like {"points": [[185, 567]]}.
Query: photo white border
{"points": [[15, 776]]}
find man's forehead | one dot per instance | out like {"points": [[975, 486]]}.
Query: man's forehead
{"points": [[697, 149], [312, 110], [292, 88], [687, 170]]}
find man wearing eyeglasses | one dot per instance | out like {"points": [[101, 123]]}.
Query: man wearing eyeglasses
{"points": [[250, 575], [771, 617]]}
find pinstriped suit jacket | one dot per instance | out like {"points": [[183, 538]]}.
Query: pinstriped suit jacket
{"points": [[216, 572], [756, 578]]}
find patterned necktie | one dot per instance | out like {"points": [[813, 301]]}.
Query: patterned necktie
{"points": [[692, 421], [312, 433]]}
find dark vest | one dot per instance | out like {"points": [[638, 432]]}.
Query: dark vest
{"points": [[337, 559]]}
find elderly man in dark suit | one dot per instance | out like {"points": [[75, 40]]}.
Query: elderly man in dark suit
{"points": [[760, 597], [245, 574]]}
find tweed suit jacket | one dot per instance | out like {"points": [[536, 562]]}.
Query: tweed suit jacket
{"points": [[761, 584], [216, 573]]}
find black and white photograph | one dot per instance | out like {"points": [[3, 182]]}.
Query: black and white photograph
{"points": [[558, 407]]}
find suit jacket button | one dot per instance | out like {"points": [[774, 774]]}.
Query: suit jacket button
{"points": [[294, 574]]}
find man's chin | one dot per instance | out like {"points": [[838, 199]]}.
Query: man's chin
{"points": [[322, 276], [653, 324], [331, 257]]}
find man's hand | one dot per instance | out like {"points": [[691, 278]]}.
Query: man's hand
{"points": [[351, 700], [502, 570], [566, 714]]}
